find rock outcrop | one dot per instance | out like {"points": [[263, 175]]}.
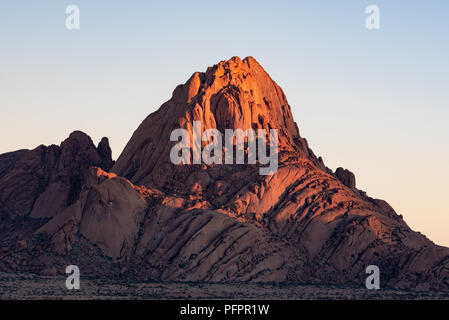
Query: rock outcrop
{"points": [[46, 180], [150, 219], [108, 213], [232, 94], [9, 159], [346, 176]]}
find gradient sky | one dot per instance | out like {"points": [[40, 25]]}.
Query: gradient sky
{"points": [[375, 102]]}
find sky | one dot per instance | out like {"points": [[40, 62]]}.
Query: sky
{"points": [[373, 101]]}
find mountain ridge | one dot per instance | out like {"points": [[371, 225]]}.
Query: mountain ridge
{"points": [[213, 223]]}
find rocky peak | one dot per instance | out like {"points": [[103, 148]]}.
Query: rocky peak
{"points": [[48, 178], [105, 152], [233, 94], [237, 94], [346, 176], [9, 159], [207, 223], [78, 151]]}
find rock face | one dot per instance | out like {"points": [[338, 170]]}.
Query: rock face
{"points": [[346, 176], [151, 219], [48, 179], [9, 159], [108, 213], [232, 94]]}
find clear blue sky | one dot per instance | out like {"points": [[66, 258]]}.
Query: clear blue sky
{"points": [[376, 102]]}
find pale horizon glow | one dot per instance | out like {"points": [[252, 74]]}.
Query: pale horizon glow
{"points": [[374, 102]]}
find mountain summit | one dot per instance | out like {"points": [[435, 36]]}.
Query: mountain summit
{"points": [[151, 219], [232, 94]]}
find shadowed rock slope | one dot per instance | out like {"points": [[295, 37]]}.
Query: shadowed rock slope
{"points": [[9, 159], [150, 219]]}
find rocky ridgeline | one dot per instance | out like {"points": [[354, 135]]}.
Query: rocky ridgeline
{"points": [[146, 218]]}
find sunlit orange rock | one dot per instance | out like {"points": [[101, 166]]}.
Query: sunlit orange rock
{"points": [[151, 219]]}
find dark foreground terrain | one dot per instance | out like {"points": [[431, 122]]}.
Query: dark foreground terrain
{"points": [[27, 286]]}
